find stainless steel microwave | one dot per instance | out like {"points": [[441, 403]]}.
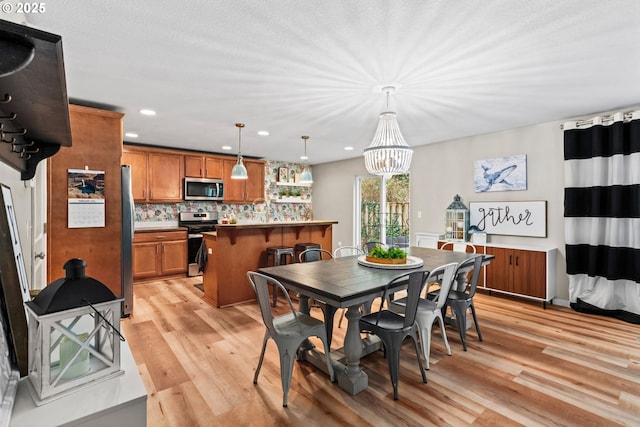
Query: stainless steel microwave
{"points": [[203, 189]]}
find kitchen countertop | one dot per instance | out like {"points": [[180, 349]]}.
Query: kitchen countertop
{"points": [[275, 224]]}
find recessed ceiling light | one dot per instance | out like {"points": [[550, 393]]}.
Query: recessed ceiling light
{"points": [[263, 133], [226, 147], [147, 112], [131, 135], [304, 158], [348, 148]]}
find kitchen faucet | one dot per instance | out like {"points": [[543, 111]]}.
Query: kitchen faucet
{"points": [[266, 204]]}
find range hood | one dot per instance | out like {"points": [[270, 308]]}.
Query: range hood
{"points": [[34, 108]]}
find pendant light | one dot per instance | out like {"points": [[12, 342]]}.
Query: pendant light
{"points": [[239, 171], [305, 177], [388, 153]]}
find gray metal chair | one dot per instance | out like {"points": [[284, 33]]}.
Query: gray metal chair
{"points": [[288, 330], [392, 328], [430, 311], [347, 251], [314, 254], [368, 247]]}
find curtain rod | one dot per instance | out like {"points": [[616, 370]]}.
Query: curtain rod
{"points": [[627, 116]]}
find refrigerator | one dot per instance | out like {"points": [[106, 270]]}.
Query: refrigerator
{"points": [[128, 216]]}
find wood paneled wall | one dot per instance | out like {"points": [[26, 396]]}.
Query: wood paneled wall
{"points": [[96, 144]]}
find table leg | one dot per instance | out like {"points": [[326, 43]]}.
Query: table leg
{"points": [[353, 379]]}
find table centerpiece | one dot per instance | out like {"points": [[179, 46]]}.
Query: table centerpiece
{"points": [[380, 255]]}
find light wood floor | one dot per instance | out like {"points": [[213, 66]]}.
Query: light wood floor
{"points": [[535, 367]]}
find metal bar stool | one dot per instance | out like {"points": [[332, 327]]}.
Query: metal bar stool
{"points": [[279, 255], [301, 247]]}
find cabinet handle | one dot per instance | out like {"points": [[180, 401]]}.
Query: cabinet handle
{"points": [[160, 237], [516, 260], [510, 259]]}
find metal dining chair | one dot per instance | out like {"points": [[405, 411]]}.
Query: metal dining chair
{"points": [[459, 247], [287, 330], [314, 254], [431, 311], [368, 247], [347, 251], [392, 328]]}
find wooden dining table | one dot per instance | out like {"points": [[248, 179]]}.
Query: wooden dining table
{"points": [[347, 283]]}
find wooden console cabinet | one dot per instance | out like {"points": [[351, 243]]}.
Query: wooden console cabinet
{"points": [[521, 271], [157, 254]]}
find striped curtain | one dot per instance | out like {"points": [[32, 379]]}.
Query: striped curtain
{"points": [[602, 214]]}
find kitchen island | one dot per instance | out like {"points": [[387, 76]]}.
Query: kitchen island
{"points": [[234, 249]]}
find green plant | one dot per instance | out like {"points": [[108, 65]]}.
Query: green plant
{"points": [[393, 253]]}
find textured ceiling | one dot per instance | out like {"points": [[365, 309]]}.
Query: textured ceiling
{"points": [[316, 68]]}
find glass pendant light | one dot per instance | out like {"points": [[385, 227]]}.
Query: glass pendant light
{"points": [[239, 171], [388, 153], [305, 177]]}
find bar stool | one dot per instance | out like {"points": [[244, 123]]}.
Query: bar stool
{"points": [[279, 255], [300, 247]]}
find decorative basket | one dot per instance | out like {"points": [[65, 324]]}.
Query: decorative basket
{"points": [[386, 260]]}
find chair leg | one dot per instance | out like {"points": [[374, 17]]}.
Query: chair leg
{"points": [[475, 321], [415, 344], [461, 318], [264, 347], [286, 372], [329, 312], [424, 332], [275, 295], [444, 335], [393, 359]]}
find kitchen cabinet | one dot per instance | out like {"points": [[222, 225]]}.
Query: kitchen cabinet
{"points": [[157, 254], [203, 167], [138, 162], [526, 272], [243, 190], [156, 176]]}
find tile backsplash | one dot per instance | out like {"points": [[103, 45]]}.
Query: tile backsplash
{"points": [[278, 210]]}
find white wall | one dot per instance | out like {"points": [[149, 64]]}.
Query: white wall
{"points": [[21, 195], [442, 170]]}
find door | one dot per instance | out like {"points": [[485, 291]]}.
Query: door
{"points": [[146, 260], [39, 228], [165, 177], [174, 257], [213, 168], [382, 212], [138, 162], [233, 188], [499, 271]]}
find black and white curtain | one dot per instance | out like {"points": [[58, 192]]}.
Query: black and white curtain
{"points": [[602, 214]]}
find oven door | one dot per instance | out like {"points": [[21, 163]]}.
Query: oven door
{"points": [[194, 240]]}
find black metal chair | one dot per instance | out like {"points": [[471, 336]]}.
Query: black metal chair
{"points": [[368, 247], [392, 328], [460, 300]]}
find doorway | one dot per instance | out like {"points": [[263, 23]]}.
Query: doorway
{"points": [[382, 210]]}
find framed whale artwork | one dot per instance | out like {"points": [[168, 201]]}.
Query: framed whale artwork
{"points": [[501, 174]]}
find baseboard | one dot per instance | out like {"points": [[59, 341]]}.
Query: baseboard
{"points": [[560, 302]]}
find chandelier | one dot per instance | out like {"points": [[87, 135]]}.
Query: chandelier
{"points": [[388, 154]]}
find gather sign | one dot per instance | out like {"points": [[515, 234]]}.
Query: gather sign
{"points": [[510, 218]]}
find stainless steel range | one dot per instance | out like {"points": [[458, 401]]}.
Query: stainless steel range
{"points": [[196, 223]]}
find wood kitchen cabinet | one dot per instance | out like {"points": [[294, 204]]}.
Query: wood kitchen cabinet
{"points": [[524, 272], [243, 190], [156, 176], [203, 167], [138, 162], [159, 254]]}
